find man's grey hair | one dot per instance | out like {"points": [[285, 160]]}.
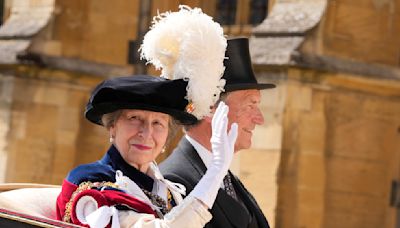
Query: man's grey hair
{"points": [[222, 97]]}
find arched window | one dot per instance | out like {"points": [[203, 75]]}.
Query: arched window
{"points": [[226, 12], [258, 11]]}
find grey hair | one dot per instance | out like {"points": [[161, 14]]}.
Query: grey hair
{"points": [[108, 120], [222, 97]]}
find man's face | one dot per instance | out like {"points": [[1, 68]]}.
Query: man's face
{"points": [[245, 111]]}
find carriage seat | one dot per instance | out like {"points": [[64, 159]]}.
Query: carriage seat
{"points": [[31, 199]]}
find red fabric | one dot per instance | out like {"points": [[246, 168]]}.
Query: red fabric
{"points": [[105, 197], [110, 198], [66, 192], [95, 194], [121, 198]]}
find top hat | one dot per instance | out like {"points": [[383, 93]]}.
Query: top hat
{"points": [[238, 72], [142, 92]]}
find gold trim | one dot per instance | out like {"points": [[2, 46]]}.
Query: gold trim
{"points": [[82, 187], [169, 199]]}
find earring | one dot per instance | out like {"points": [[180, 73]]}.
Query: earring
{"points": [[111, 139], [163, 150]]}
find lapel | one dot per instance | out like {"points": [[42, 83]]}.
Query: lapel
{"points": [[191, 155], [234, 212], [249, 201]]}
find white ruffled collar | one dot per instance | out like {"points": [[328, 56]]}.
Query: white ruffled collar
{"points": [[160, 186]]}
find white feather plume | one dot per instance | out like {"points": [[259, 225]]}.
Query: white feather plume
{"points": [[189, 45]]}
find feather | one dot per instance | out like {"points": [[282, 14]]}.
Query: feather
{"points": [[189, 45]]}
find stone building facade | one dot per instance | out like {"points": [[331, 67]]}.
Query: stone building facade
{"points": [[338, 65], [329, 152]]}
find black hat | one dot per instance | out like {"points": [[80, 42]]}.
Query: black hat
{"points": [[238, 72], [139, 92]]}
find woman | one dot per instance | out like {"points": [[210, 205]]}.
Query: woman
{"points": [[125, 187]]}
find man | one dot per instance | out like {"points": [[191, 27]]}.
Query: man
{"points": [[234, 206]]}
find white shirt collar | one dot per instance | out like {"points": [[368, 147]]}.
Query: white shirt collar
{"points": [[204, 154]]}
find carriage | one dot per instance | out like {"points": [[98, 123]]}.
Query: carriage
{"points": [[29, 205]]}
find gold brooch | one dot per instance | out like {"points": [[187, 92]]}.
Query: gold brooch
{"points": [[190, 107]]}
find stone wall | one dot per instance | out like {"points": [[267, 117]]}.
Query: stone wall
{"points": [[94, 31], [339, 63], [47, 132], [329, 149], [340, 151], [6, 88], [371, 27]]}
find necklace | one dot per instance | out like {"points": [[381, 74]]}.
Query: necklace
{"points": [[158, 201]]}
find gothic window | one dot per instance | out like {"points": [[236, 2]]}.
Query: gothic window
{"points": [[226, 12], [258, 11]]}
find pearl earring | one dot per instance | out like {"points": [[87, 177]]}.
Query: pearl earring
{"points": [[111, 139]]}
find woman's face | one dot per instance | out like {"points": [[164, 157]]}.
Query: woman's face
{"points": [[140, 136]]}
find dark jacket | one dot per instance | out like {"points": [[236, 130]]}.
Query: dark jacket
{"points": [[185, 166]]}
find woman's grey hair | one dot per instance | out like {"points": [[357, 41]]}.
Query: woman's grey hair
{"points": [[108, 120]]}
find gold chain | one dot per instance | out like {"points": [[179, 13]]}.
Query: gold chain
{"points": [[159, 202]]}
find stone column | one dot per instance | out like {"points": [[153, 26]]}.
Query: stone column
{"points": [[6, 89]]}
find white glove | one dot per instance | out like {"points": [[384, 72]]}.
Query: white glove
{"points": [[222, 144]]}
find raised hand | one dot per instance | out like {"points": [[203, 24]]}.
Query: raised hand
{"points": [[222, 144]]}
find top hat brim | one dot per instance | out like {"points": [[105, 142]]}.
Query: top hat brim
{"points": [[245, 86]]}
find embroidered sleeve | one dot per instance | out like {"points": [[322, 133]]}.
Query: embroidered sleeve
{"points": [[95, 204]]}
